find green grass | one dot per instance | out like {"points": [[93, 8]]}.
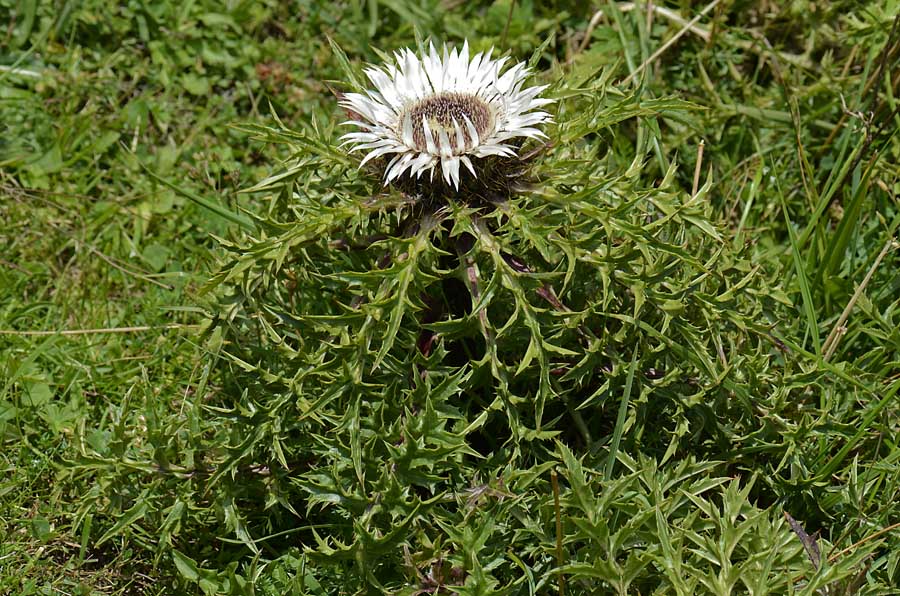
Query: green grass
{"points": [[211, 379]]}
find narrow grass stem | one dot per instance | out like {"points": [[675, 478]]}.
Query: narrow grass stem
{"points": [[100, 330], [671, 42], [148, 277], [559, 550], [698, 168], [22, 72], [652, 9], [838, 331], [620, 418], [859, 543]]}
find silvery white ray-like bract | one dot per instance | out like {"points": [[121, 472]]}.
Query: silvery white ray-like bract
{"points": [[443, 109]]}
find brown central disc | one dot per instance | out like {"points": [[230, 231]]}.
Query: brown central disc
{"points": [[440, 110]]}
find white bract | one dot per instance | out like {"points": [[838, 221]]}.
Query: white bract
{"points": [[443, 110]]}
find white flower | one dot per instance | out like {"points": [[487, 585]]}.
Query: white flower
{"points": [[443, 110]]}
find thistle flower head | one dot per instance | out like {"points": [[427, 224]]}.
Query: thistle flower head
{"points": [[443, 110]]}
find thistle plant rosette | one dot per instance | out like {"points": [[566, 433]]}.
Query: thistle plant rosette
{"points": [[376, 357], [444, 110]]}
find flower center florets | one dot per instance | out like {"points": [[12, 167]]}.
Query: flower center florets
{"points": [[450, 113]]}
